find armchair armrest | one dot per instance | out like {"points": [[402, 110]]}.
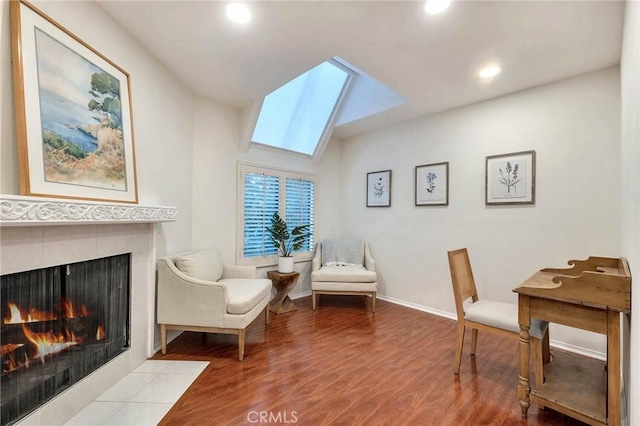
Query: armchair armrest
{"points": [[185, 300], [369, 263], [239, 271], [315, 263]]}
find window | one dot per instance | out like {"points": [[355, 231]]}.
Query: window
{"points": [[263, 192], [299, 116]]}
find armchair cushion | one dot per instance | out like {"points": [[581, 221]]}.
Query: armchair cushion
{"points": [[204, 264], [239, 271], [245, 293], [344, 287], [349, 274]]}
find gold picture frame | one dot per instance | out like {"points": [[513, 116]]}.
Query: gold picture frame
{"points": [[74, 127]]}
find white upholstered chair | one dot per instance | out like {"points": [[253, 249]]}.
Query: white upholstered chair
{"points": [[196, 292], [489, 315], [343, 267]]}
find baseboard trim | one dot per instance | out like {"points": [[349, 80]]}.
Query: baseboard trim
{"points": [[578, 350], [300, 295], [422, 308]]}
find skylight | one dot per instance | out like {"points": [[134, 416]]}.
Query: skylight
{"points": [[299, 116]]}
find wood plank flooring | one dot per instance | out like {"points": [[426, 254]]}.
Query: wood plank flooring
{"points": [[344, 365]]}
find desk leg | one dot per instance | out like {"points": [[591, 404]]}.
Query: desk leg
{"points": [[613, 368], [523, 379]]}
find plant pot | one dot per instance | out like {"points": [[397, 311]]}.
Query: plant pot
{"points": [[285, 264]]}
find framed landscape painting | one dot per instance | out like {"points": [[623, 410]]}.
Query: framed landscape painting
{"points": [[510, 178], [73, 114], [432, 184], [379, 189]]}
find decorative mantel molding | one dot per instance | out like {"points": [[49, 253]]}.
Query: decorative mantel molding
{"points": [[19, 210]]}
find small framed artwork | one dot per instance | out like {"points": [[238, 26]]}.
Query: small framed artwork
{"points": [[510, 178], [379, 189], [432, 184], [73, 114]]}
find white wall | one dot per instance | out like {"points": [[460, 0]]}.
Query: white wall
{"points": [[573, 126], [162, 110], [630, 81], [216, 152], [8, 155]]}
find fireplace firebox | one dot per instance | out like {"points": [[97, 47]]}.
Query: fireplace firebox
{"points": [[59, 324]]}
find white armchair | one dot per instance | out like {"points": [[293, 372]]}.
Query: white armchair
{"points": [[196, 292], [343, 267]]}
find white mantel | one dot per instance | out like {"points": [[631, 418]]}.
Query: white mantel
{"points": [[19, 210]]}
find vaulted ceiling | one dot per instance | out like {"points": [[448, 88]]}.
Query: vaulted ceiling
{"points": [[431, 60]]}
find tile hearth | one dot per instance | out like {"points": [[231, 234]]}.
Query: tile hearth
{"points": [[143, 397]]}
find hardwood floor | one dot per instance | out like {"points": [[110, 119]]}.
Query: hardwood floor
{"points": [[344, 365]]}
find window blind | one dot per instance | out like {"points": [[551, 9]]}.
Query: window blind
{"points": [[261, 201], [300, 195]]}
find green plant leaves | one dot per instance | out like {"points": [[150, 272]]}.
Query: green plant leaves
{"points": [[285, 242]]}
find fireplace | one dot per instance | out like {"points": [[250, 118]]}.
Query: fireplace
{"points": [[38, 232], [59, 324]]}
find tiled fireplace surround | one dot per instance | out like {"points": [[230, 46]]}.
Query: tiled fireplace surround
{"points": [[36, 242]]}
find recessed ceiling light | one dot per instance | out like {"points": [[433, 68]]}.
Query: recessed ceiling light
{"points": [[239, 13], [490, 71], [433, 7]]}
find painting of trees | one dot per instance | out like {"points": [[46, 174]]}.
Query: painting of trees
{"points": [[105, 91]]}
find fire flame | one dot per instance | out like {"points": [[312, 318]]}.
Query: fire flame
{"points": [[100, 334], [69, 311], [8, 348], [34, 315], [16, 316], [48, 343], [10, 364]]}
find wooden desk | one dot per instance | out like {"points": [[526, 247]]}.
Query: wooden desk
{"points": [[283, 283], [590, 296]]}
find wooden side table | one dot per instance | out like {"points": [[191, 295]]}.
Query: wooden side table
{"points": [[283, 283]]}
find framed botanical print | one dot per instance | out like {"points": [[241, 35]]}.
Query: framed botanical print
{"points": [[510, 178], [379, 189], [432, 184]]}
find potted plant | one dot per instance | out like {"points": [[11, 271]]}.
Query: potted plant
{"points": [[286, 242]]}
